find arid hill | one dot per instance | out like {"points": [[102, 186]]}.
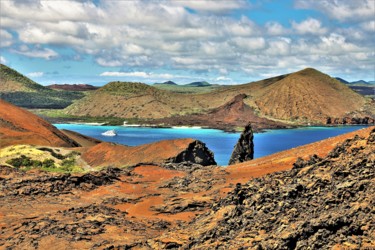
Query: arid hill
{"points": [[22, 91], [140, 101], [18, 126], [306, 96]]}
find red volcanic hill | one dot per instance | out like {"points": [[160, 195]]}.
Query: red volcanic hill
{"points": [[18, 126]]}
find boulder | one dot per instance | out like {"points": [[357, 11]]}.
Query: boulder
{"points": [[244, 149]]}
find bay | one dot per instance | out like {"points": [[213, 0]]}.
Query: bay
{"points": [[220, 142]]}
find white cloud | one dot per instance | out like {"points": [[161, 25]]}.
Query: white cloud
{"points": [[168, 34], [35, 74], [212, 5], [369, 26], [223, 78], [3, 60], [250, 44], [275, 28], [121, 74], [109, 63], [138, 74], [6, 38], [341, 10], [309, 26], [37, 52]]}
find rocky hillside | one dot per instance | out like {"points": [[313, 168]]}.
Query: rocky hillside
{"points": [[306, 96], [157, 206], [21, 91], [18, 126], [322, 203]]}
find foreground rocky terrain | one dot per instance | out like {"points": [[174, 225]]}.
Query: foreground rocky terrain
{"points": [[323, 201]]}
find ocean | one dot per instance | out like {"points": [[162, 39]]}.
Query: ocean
{"points": [[220, 142]]}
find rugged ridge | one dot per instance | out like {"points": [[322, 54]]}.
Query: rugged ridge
{"points": [[244, 148]]}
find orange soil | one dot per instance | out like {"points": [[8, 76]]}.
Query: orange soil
{"points": [[107, 154], [284, 160], [18, 126]]}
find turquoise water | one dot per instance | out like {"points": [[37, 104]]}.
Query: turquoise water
{"points": [[221, 143]]}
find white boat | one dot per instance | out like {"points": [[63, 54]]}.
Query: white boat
{"points": [[110, 133]]}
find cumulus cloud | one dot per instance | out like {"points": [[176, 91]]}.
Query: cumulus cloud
{"points": [[369, 26], [347, 10], [212, 5], [275, 28], [224, 79], [35, 74], [36, 52], [198, 36], [137, 74], [309, 26], [6, 38]]}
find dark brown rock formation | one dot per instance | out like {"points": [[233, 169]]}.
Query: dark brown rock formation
{"points": [[196, 152], [351, 120], [244, 149]]}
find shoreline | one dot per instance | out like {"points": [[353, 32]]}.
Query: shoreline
{"points": [[226, 130]]}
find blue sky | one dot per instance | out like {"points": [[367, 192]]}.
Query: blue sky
{"points": [[222, 41]]}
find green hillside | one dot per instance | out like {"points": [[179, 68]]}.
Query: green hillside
{"points": [[22, 91]]}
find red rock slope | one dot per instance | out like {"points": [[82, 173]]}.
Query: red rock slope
{"points": [[18, 126], [107, 154]]}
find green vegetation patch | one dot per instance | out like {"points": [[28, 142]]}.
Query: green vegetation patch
{"points": [[32, 94], [27, 157], [43, 98]]}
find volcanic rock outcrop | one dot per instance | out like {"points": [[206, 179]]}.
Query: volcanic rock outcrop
{"points": [[351, 120], [322, 203], [244, 149], [18, 126]]}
